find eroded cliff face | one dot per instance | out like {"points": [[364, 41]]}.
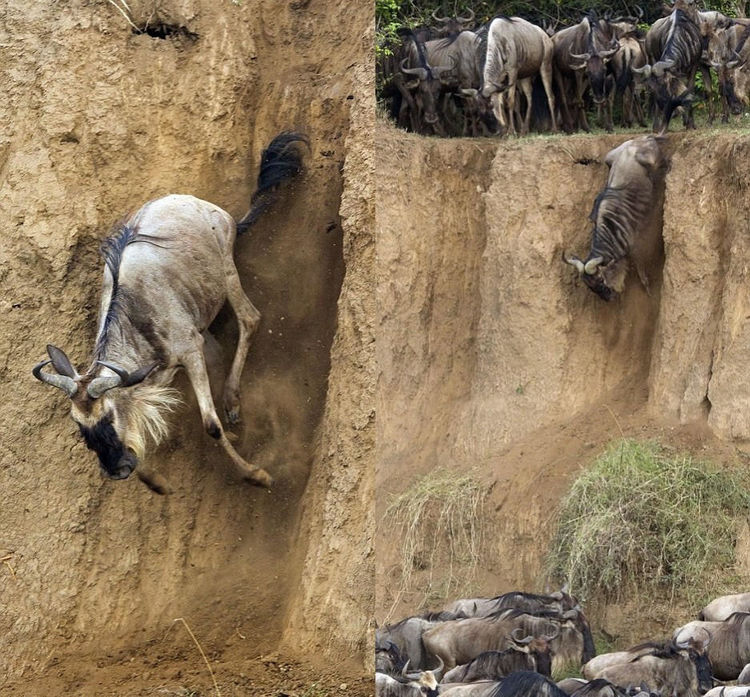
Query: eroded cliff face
{"points": [[96, 120], [495, 358]]}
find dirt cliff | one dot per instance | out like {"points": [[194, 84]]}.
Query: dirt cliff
{"points": [[97, 118], [496, 360]]}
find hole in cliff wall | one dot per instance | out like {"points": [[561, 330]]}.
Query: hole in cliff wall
{"points": [[163, 30]]}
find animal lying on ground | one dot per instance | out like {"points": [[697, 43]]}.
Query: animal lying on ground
{"points": [[620, 211], [169, 270]]}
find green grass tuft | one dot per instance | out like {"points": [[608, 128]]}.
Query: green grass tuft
{"points": [[643, 519], [438, 521]]}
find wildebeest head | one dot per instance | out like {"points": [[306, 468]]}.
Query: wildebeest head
{"points": [[536, 647], [428, 83], [606, 280], [595, 65], [453, 25], [695, 648], [101, 417]]}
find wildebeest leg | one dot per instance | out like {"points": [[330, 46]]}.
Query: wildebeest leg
{"points": [[547, 83], [526, 88], [580, 106], [511, 106], [248, 319], [709, 88], [195, 366]]}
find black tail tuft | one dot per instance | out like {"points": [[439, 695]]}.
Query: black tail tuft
{"points": [[281, 160]]}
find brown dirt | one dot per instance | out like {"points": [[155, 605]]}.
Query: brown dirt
{"points": [[95, 121], [496, 361]]}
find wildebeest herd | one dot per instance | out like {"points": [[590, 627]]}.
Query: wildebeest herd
{"points": [[511, 646], [508, 76]]}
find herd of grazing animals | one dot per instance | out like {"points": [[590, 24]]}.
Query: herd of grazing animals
{"points": [[510, 75], [511, 646]]}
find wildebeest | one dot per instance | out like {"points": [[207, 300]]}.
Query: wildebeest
{"points": [[720, 608], [729, 691], [524, 653], [671, 78], [599, 688], [560, 601], [460, 641], [729, 647], [427, 76], [729, 53], [744, 677], [168, 271], [620, 211], [516, 50], [682, 670], [452, 26], [406, 635], [581, 53], [388, 658]]}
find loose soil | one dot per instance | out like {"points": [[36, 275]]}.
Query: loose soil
{"points": [[97, 119]]}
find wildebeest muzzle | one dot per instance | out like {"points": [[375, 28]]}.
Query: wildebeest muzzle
{"points": [[116, 461]]}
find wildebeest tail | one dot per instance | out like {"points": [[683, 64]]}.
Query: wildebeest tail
{"points": [[281, 160]]}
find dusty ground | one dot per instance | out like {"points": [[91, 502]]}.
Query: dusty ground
{"points": [[97, 119], [496, 361]]}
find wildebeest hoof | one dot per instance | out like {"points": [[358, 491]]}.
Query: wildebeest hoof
{"points": [[154, 481], [233, 415], [259, 477]]}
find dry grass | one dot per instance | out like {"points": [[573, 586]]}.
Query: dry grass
{"points": [[646, 520], [439, 522]]}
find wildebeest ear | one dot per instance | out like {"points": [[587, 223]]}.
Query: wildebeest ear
{"points": [[61, 362]]}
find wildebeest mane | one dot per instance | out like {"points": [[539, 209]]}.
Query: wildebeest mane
{"points": [[442, 616], [593, 687], [737, 617], [658, 649], [742, 39], [112, 250]]}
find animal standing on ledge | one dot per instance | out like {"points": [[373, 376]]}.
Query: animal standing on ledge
{"points": [[168, 272]]}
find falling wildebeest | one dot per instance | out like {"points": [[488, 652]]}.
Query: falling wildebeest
{"points": [[619, 213], [168, 271]]}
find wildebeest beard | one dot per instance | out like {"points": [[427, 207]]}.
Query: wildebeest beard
{"points": [[115, 460]]}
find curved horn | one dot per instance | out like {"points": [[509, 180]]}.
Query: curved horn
{"points": [[708, 638], [63, 382], [575, 261], [524, 641], [130, 379], [609, 53], [406, 667], [440, 19], [421, 73], [465, 20], [591, 264], [645, 70], [438, 672], [468, 92], [550, 637], [61, 362], [581, 56], [122, 378], [638, 11]]}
